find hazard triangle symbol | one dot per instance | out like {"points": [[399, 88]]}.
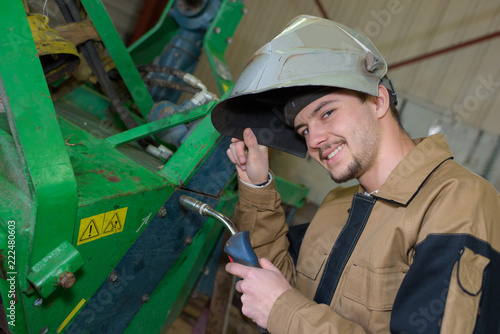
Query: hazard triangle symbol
{"points": [[113, 224], [90, 232]]}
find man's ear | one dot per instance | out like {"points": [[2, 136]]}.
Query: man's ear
{"points": [[382, 101]]}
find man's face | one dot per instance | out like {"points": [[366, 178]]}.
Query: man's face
{"points": [[341, 133]]}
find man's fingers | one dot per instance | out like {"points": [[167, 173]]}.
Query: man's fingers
{"points": [[230, 156], [238, 286], [238, 269], [238, 150]]}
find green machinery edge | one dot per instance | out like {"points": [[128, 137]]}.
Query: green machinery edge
{"points": [[59, 180]]}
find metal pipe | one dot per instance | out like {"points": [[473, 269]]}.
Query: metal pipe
{"points": [[444, 50], [207, 211]]}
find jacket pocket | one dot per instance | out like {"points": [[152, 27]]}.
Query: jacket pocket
{"points": [[374, 288], [462, 301], [368, 294], [309, 264]]}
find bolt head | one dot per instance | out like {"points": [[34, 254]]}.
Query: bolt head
{"points": [[66, 280], [188, 240], [162, 212], [113, 277], [217, 30], [38, 302], [145, 298]]}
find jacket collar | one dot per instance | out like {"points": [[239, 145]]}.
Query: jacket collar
{"points": [[410, 174]]}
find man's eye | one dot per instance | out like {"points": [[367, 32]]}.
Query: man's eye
{"points": [[327, 114], [304, 132]]}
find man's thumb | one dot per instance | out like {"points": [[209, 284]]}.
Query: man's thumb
{"points": [[249, 138]]}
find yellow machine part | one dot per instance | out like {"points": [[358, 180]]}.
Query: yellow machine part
{"points": [[58, 56]]}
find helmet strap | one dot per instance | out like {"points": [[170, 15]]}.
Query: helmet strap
{"points": [[387, 83]]}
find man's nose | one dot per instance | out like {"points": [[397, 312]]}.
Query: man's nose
{"points": [[317, 137]]}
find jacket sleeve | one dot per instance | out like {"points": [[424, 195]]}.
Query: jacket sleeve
{"points": [[259, 212], [452, 285]]}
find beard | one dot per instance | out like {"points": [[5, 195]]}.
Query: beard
{"points": [[362, 161], [353, 170]]}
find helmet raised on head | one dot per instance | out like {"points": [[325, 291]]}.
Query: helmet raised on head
{"points": [[311, 51]]}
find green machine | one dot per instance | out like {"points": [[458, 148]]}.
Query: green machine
{"points": [[92, 236]]}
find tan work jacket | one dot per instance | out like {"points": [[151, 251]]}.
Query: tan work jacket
{"points": [[425, 259]]}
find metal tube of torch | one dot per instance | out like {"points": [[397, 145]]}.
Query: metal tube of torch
{"points": [[207, 211]]}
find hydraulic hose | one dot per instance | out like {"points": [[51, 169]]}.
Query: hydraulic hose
{"points": [[71, 13]]}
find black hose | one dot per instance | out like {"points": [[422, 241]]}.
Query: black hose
{"points": [[157, 82], [162, 69], [71, 13]]}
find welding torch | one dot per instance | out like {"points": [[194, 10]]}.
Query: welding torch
{"points": [[238, 247]]}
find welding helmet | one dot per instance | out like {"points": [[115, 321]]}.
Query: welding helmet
{"points": [[311, 57]]}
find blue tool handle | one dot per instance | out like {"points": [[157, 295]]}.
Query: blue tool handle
{"points": [[239, 250]]}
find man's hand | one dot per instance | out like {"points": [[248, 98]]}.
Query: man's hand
{"points": [[260, 289], [250, 158]]}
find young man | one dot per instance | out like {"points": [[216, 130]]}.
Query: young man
{"points": [[414, 248]]}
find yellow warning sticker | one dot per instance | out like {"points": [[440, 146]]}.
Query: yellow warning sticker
{"points": [[104, 224], [90, 229], [113, 221]]}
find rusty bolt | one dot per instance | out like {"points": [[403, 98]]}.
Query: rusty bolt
{"points": [[217, 30], [66, 279], [113, 277], [188, 240], [229, 40], [145, 298], [162, 213]]}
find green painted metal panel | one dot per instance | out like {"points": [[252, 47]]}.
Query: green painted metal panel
{"points": [[117, 50], [218, 37], [103, 172], [84, 96], [39, 142], [160, 125]]}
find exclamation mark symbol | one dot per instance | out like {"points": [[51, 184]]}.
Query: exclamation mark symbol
{"points": [[90, 232]]}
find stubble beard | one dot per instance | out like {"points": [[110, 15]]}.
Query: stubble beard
{"points": [[363, 161], [353, 170]]}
